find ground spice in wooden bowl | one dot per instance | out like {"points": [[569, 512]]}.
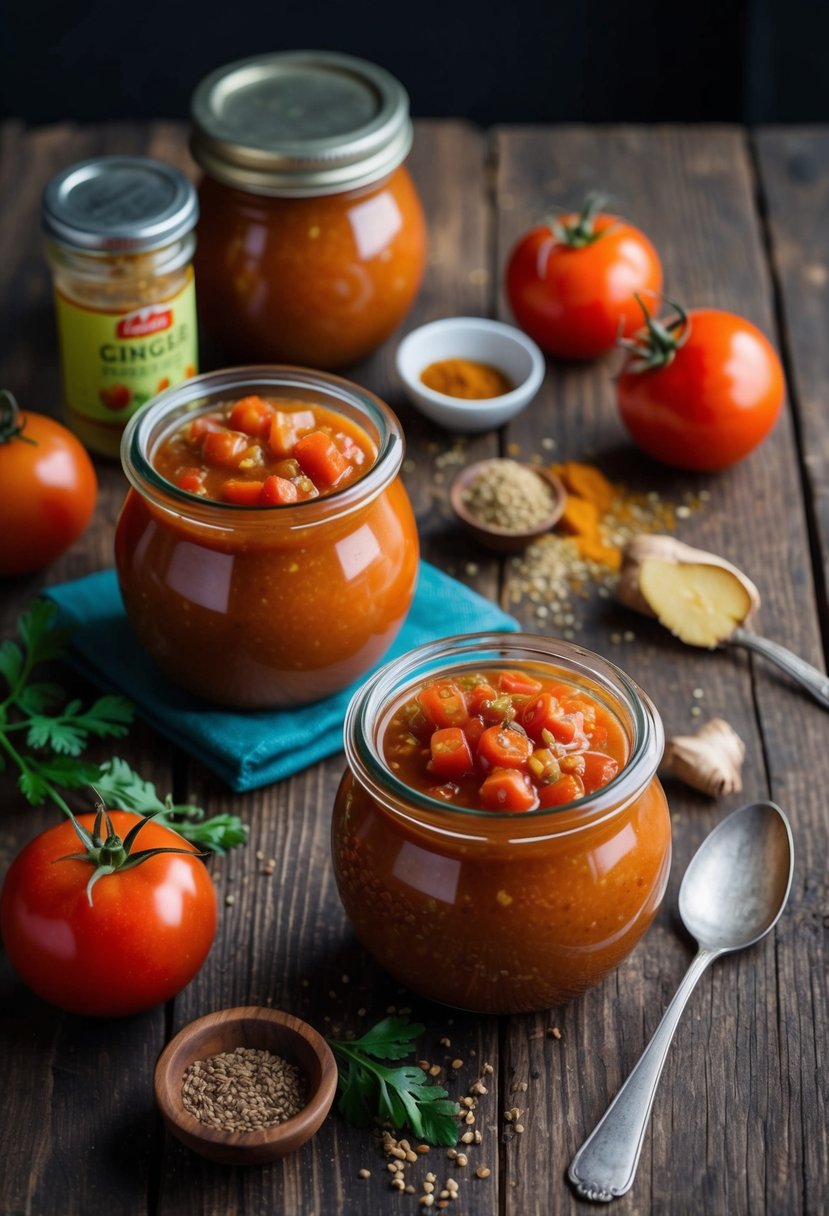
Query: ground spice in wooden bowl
{"points": [[244, 1090], [505, 504]]}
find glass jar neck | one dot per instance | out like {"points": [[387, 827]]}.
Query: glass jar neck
{"points": [[114, 266], [161, 417], [371, 708]]}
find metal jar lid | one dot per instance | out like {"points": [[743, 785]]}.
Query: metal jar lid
{"points": [[125, 204], [300, 123]]}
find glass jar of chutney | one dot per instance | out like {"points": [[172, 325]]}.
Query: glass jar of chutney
{"points": [[120, 240], [312, 240], [499, 910]]}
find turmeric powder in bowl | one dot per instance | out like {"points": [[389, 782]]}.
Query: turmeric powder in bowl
{"points": [[466, 378]]}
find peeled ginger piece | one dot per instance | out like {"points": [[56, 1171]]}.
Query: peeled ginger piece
{"points": [[700, 597]]}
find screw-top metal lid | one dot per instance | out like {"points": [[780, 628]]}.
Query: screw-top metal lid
{"points": [[119, 203], [300, 123]]}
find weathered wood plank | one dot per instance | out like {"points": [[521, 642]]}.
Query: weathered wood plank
{"points": [[793, 169], [692, 191]]}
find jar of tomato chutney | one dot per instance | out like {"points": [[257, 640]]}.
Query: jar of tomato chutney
{"points": [[254, 600], [311, 237], [522, 906]]}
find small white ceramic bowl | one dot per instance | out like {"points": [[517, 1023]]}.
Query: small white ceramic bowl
{"points": [[485, 341]]}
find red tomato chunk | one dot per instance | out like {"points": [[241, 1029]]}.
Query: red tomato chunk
{"points": [[504, 741], [259, 453]]}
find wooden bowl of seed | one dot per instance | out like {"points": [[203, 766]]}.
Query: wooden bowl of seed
{"points": [[245, 1086], [505, 503]]}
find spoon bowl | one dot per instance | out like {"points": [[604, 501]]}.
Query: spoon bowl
{"points": [[733, 893], [737, 883]]}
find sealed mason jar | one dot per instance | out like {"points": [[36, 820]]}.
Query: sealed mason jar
{"points": [[120, 240], [499, 911], [311, 237], [256, 606]]}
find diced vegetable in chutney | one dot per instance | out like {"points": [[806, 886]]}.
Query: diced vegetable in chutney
{"points": [[254, 453], [505, 741]]}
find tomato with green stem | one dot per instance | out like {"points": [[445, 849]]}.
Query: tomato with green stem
{"points": [[48, 489], [571, 282], [111, 928], [700, 390]]}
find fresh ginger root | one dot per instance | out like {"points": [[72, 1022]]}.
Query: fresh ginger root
{"points": [[700, 597], [710, 761]]}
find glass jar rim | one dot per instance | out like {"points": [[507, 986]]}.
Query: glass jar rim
{"points": [[271, 125], [197, 394], [447, 654]]}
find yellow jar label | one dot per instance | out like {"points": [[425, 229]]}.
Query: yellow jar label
{"points": [[115, 362]]}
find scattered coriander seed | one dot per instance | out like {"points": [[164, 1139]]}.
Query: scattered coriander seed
{"points": [[260, 856], [423, 1148], [477, 1137], [431, 1177], [451, 1153], [467, 1137], [434, 1071], [445, 1042], [469, 1117], [553, 1032], [456, 1064], [428, 1187], [230, 900], [478, 1088], [487, 1069], [426, 1200], [364, 1173], [461, 1160], [409, 1190], [398, 1183], [519, 1128], [483, 1171]]}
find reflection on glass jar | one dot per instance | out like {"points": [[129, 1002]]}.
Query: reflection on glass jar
{"points": [[491, 911], [311, 240], [258, 607]]}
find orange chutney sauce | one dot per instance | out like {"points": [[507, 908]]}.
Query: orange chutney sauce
{"points": [[500, 912]]}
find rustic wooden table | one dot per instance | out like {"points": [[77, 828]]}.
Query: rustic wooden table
{"points": [[739, 1124]]}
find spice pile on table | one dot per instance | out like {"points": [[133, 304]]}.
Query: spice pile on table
{"points": [[585, 552]]}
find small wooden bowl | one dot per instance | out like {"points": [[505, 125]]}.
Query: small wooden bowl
{"points": [[246, 1026], [493, 537]]}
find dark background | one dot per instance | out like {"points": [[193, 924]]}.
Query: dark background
{"points": [[529, 61]]}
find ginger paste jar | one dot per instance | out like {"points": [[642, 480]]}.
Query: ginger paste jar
{"points": [[120, 239], [266, 551], [500, 839], [311, 237]]}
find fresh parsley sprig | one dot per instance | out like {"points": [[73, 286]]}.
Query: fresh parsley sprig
{"points": [[56, 732], [370, 1090]]}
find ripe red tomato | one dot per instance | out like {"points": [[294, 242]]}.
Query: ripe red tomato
{"points": [[571, 284], [48, 489], [709, 396], [144, 937]]}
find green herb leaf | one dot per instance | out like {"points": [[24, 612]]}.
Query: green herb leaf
{"points": [[40, 636], [391, 1039], [121, 787], [58, 737], [400, 1096], [11, 663]]}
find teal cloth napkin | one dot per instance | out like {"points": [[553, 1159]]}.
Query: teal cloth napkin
{"points": [[245, 749]]}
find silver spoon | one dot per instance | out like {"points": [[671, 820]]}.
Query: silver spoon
{"points": [[733, 893]]}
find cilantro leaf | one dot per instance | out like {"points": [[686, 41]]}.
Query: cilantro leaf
{"points": [[11, 663], [121, 787], [68, 732], [40, 636], [391, 1039], [399, 1096], [57, 738]]}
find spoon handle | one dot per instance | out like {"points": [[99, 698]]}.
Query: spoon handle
{"points": [[605, 1165], [814, 681]]}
